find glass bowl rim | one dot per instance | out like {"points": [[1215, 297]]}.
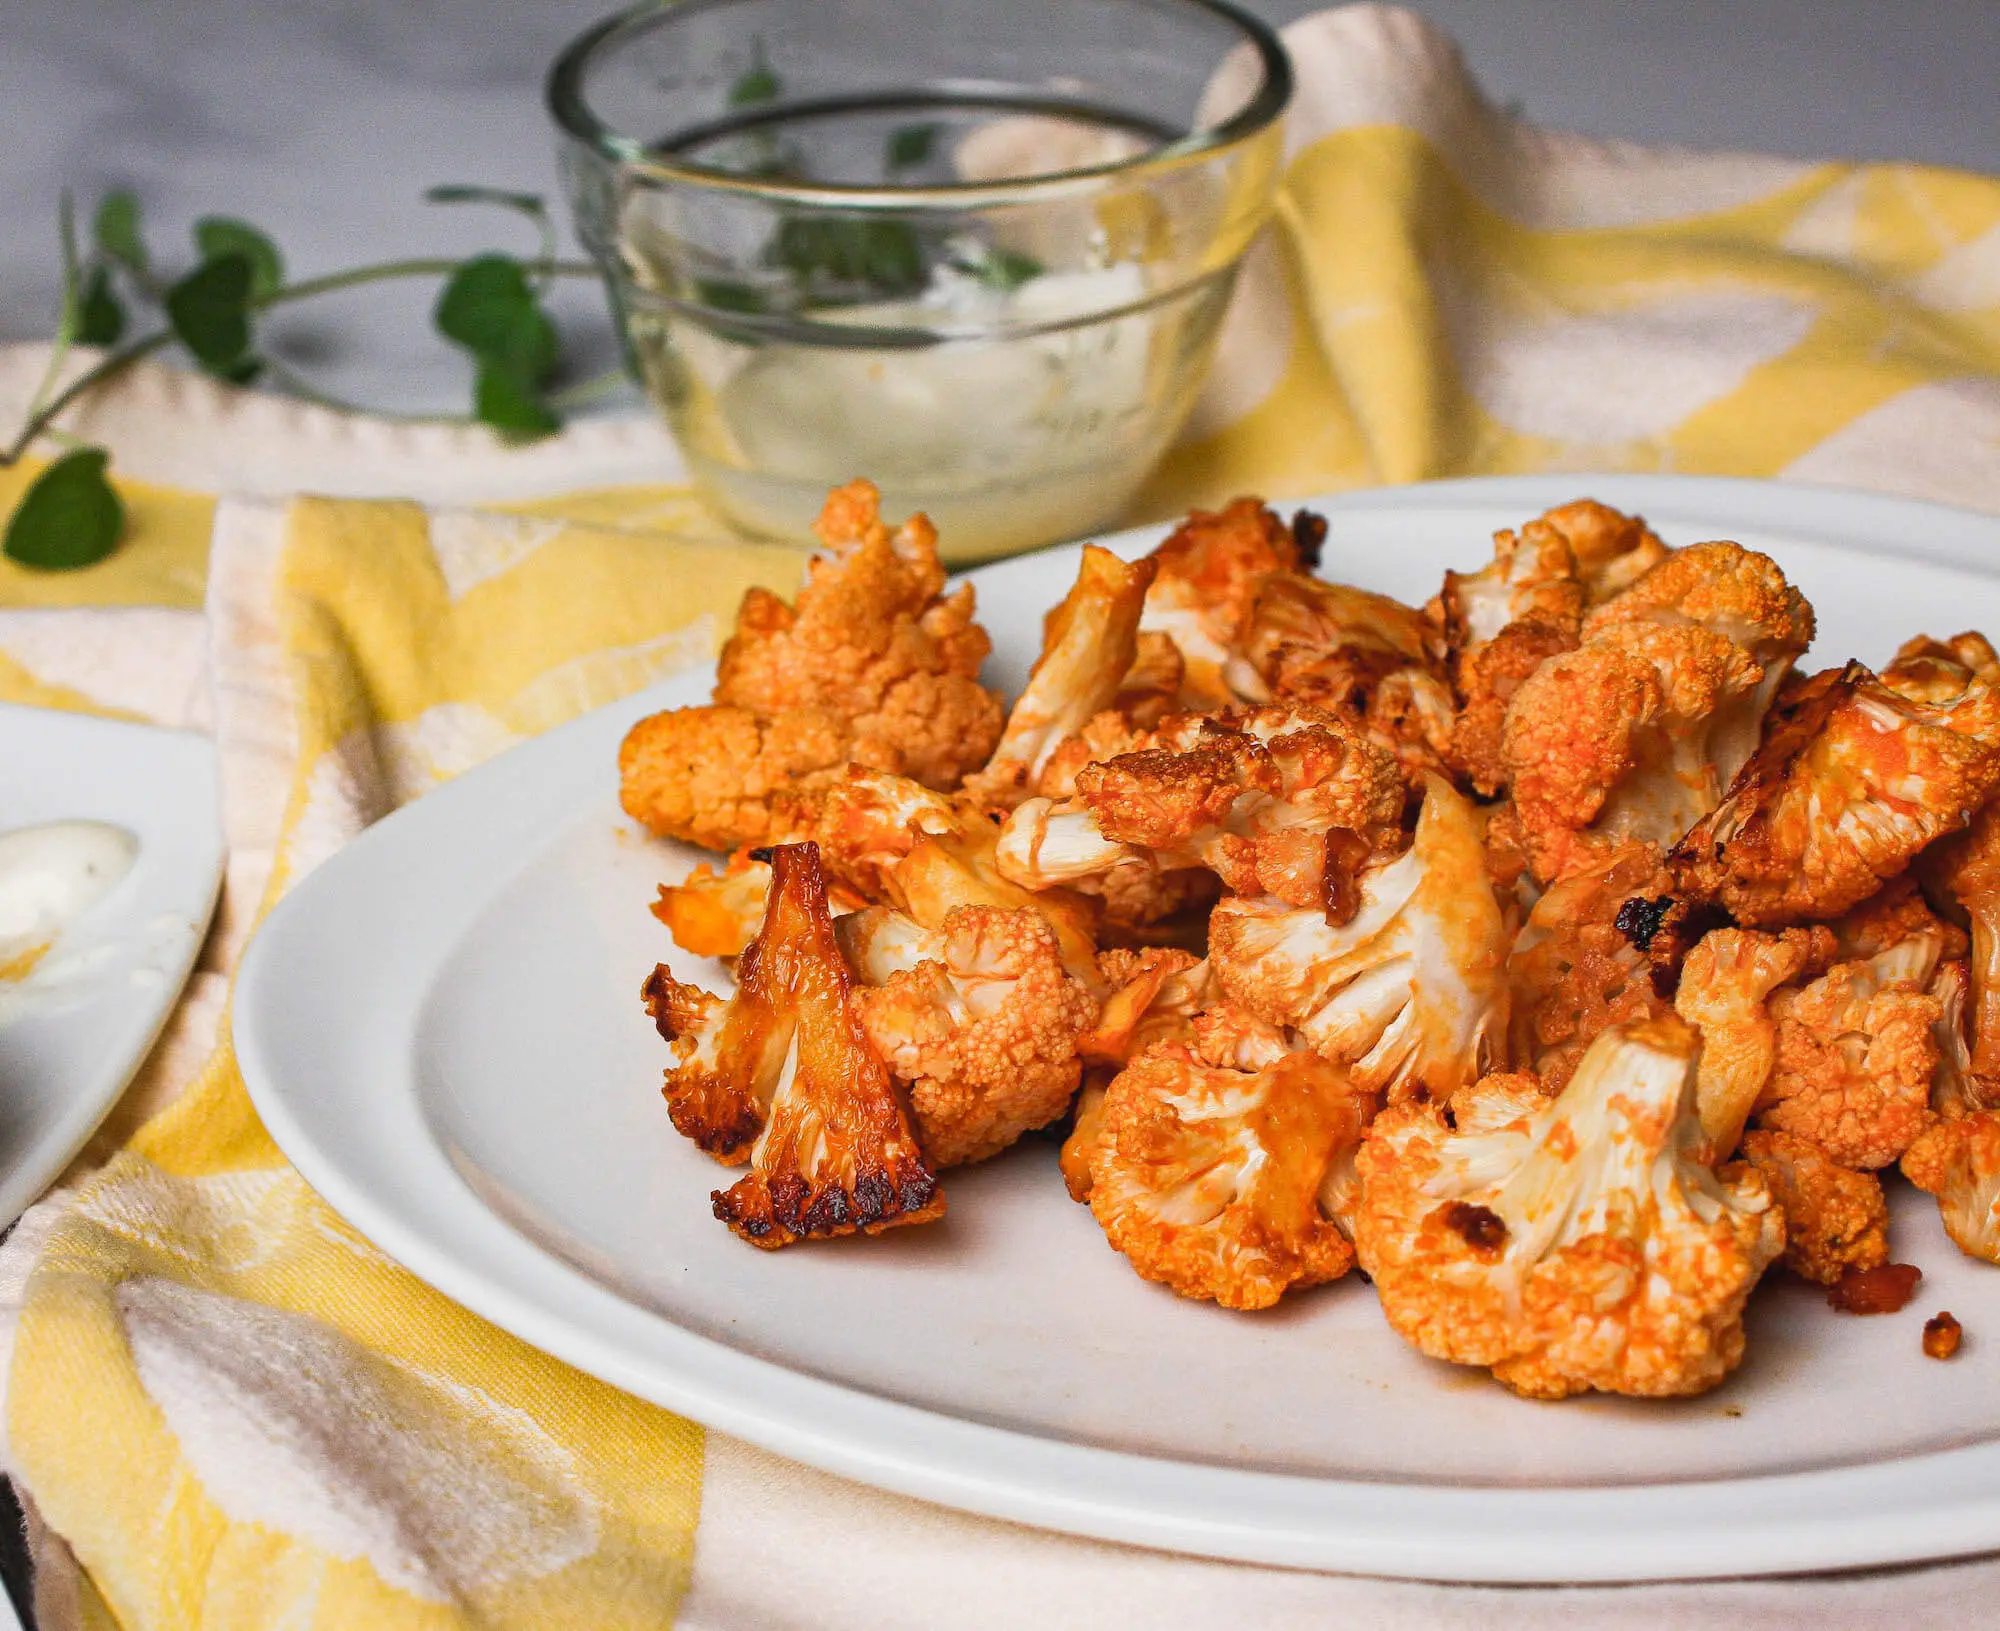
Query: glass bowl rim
{"points": [[572, 113]]}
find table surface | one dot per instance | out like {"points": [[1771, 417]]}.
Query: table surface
{"points": [[325, 123]]}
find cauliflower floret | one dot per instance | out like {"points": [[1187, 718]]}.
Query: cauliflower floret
{"points": [[1485, 680], [1637, 732], [1152, 998], [1209, 570], [1855, 1058], [1089, 644], [1612, 550], [1836, 1219], [1583, 961], [1940, 672], [874, 640], [725, 777], [1583, 1245], [717, 914], [1353, 652], [1957, 1158], [1280, 801], [1726, 985], [784, 1073], [1958, 1161], [1532, 577], [1850, 782], [1967, 868], [1207, 1177], [1410, 991], [977, 1017]]}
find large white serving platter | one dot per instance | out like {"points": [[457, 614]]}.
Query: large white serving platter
{"points": [[442, 1028], [73, 1032]]}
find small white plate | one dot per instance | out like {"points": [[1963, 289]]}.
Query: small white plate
{"points": [[442, 1028], [73, 1032]]}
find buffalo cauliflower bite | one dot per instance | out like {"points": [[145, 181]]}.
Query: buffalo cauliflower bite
{"points": [[1209, 570], [1353, 652], [1089, 644], [1409, 991], [1836, 1219], [1850, 782], [1258, 799], [1580, 1245], [1485, 681], [784, 1072], [717, 914], [1725, 989], [1957, 1158], [1855, 1057], [977, 1017], [1612, 550], [1637, 732], [874, 640], [723, 777], [1940, 672], [1207, 1177], [1967, 868]]}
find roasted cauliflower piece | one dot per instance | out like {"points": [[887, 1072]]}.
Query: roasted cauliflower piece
{"points": [[1836, 1219], [874, 640], [1967, 868], [1409, 990], [1856, 1054], [1208, 574], [1612, 550], [1089, 645], [978, 1018], [726, 777], [1585, 959], [1957, 1158], [1285, 801], [717, 914], [1725, 989], [1353, 652], [1207, 1177], [1636, 733], [783, 1072], [1940, 672], [1849, 783], [1581, 1245]]}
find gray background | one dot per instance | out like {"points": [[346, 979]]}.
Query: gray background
{"points": [[324, 123]]}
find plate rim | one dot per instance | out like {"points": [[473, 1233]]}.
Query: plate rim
{"points": [[1944, 1503]]}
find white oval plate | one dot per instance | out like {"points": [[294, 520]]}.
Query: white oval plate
{"points": [[441, 1027], [77, 1027]]}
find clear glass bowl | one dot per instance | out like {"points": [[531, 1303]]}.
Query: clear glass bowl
{"points": [[976, 250]]}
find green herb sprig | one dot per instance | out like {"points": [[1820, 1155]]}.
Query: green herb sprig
{"points": [[491, 305]]}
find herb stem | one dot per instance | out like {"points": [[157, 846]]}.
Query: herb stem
{"points": [[586, 391], [383, 271], [88, 380]]}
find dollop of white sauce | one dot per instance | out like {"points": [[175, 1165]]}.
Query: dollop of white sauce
{"points": [[51, 874]]}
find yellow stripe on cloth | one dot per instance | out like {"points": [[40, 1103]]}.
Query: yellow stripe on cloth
{"points": [[236, 1411]]}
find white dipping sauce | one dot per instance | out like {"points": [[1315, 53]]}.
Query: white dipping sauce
{"points": [[51, 874]]}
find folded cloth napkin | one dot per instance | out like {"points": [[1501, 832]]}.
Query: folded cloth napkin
{"points": [[227, 1410]]}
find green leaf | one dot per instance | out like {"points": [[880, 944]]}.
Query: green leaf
{"points": [[70, 517], [489, 307], [528, 204], [209, 311], [758, 83], [502, 399], [911, 145], [116, 231], [100, 319], [219, 235], [1005, 269], [871, 257]]}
